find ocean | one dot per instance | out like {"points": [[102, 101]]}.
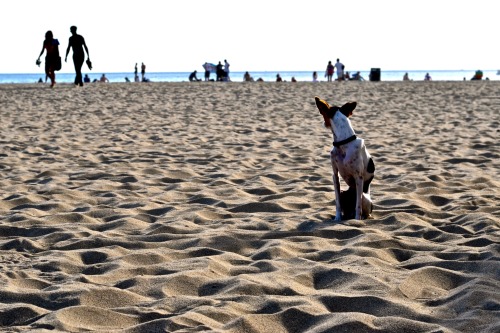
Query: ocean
{"points": [[269, 76]]}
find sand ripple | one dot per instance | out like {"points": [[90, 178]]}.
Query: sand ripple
{"points": [[208, 207]]}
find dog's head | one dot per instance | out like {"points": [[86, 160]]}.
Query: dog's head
{"points": [[328, 111]]}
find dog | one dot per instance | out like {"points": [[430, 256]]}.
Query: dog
{"points": [[350, 158]]}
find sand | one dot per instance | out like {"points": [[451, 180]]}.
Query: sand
{"points": [[198, 207]]}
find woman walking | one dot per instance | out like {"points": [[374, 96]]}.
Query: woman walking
{"points": [[52, 59]]}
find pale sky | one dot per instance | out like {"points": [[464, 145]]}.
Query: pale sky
{"points": [[256, 35]]}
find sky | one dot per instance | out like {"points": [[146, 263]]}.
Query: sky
{"points": [[256, 35]]}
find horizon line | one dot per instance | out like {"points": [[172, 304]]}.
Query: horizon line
{"points": [[267, 71]]}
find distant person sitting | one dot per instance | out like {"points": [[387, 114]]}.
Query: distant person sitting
{"points": [[405, 77], [315, 76], [427, 77], [347, 76], [478, 75], [192, 77], [357, 77], [247, 77], [103, 78], [293, 79], [278, 78], [86, 79]]}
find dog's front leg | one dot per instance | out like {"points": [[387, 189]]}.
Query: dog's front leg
{"points": [[359, 197], [336, 186]]}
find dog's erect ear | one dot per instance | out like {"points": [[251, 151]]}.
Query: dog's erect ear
{"points": [[324, 109], [322, 105], [347, 108]]}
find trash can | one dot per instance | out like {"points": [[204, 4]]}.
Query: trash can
{"points": [[375, 74]]}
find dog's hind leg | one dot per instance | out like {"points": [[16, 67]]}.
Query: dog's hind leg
{"points": [[367, 206]]}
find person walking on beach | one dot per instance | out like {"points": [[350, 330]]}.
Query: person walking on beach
{"points": [[329, 71], [135, 70], [77, 42], [52, 59], [143, 71], [340, 70]]}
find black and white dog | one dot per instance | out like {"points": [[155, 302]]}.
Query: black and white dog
{"points": [[351, 160]]}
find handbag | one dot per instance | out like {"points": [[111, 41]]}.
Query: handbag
{"points": [[57, 64]]}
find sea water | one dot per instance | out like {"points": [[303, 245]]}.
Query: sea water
{"points": [[267, 76]]}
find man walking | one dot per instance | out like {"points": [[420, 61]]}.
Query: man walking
{"points": [[77, 42]]}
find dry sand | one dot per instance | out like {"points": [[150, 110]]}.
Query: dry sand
{"points": [[194, 207]]}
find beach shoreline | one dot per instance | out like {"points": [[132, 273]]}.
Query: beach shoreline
{"points": [[267, 76], [178, 206]]}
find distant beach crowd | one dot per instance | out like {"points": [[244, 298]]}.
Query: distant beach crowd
{"points": [[77, 44], [212, 72]]}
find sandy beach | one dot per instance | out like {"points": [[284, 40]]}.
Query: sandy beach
{"points": [[207, 207]]}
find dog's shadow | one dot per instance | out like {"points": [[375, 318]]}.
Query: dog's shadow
{"points": [[315, 227]]}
